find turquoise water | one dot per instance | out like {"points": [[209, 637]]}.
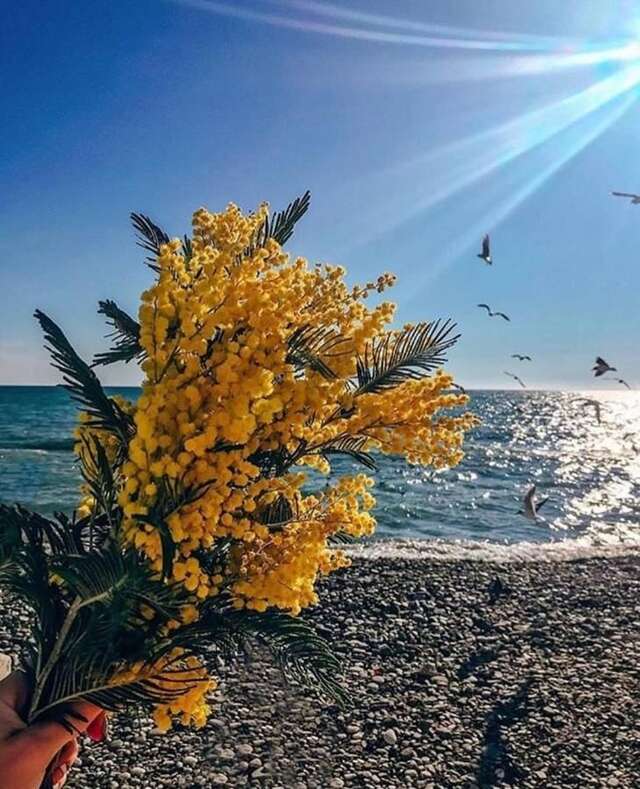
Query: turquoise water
{"points": [[590, 471]]}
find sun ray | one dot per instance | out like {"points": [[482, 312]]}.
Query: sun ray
{"points": [[489, 220], [456, 167], [434, 41], [339, 12]]}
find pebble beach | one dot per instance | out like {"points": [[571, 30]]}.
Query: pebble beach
{"points": [[463, 672]]}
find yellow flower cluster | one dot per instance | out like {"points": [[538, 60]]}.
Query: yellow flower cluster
{"points": [[250, 363], [183, 677], [280, 568], [190, 707]]}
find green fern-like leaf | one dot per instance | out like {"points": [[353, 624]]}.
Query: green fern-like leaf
{"points": [[97, 472], [82, 383], [352, 446], [276, 462], [149, 236], [92, 577], [187, 248], [342, 538], [94, 676], [22, 529], [277, 513], [409, 354], [310, 347], [27, 542], [280, 225], [302, 654], [126, 336]]}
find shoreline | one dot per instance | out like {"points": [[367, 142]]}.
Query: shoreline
{"points": [[436, 549], [456, 681]]}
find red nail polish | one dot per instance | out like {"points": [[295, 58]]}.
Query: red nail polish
{"points": [[97, 729]]}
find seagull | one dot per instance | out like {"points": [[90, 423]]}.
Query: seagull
{"points": [[494, 314], [516, 378], [596, 406], [521, 357], [623, 382], [531, 506], [486, 251], [601, 367], [635, 199]]}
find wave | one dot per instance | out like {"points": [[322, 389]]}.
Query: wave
{"points": [[466, 550], [44, 445]]}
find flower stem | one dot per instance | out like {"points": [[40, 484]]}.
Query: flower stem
{"points": [[53, 657]]}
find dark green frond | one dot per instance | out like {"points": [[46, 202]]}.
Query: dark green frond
{"points": [[98, 474], [12, 523], [280, 225], [309, 347], [353, 446], [275, 462], [146, 692], [90, 531], [126, 336], [342, 538], [93, 676], [82, 383], [277, 513], [149, 236], [27, 541], [21, 528], [302, 654], [92, 577], [212, 558], [405, 355], [187, 248], [10, 567]]}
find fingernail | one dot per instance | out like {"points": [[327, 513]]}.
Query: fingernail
{"points": [[97, 729], [59, 776]]}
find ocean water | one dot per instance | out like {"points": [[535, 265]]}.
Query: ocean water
{"points": [[589, 471]]}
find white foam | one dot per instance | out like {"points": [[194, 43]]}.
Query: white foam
{"points": [[456, 550]]}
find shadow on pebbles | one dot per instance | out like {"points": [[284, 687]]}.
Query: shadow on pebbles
{"points": [[462, 674]]}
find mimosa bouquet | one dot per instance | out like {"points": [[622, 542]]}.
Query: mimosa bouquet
{"points": [[194, 534]]}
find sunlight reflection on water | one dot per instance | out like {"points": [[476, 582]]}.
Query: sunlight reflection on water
{"points": [[590, 471]]}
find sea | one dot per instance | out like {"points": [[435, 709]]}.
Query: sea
{"points": [[589, 470]]}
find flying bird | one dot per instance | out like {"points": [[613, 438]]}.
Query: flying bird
{"points": [[623, 382], [494, 314], [486, 251], [594, 404], [601, 367], [531, 506], [516, 378], [635, 199], [521, 357]]}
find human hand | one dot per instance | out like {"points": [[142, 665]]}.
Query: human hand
{"points": [[28, 752]]}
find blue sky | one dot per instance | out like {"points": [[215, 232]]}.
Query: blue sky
{"points": [[417, 126]]}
